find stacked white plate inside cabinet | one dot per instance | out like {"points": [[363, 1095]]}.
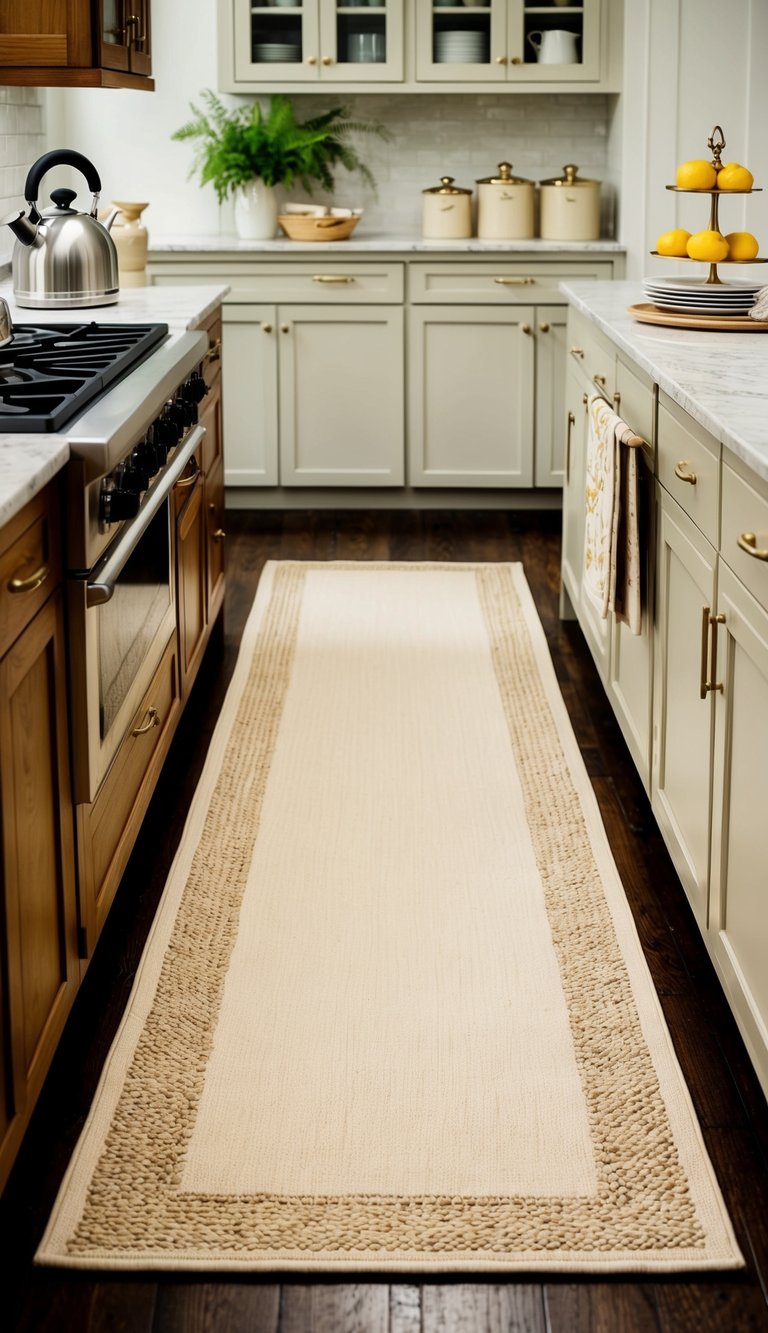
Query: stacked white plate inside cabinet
{"points": [[461, 48], [702, 298], [276, 51]]}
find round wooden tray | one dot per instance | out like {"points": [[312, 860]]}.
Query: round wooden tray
{"points": [[650, 314]]}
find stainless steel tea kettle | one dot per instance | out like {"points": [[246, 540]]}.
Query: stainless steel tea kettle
{"points": [[63, 258]]}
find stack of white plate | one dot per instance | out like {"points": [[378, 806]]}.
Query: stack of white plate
{"points": [[461, 48], [701, 298], [284, 52]]}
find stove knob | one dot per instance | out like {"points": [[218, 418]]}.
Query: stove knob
{"points": [[168, 428], [195, 388], [148, 457], [133, 478], [177, 413], [188, 409], [117, 504]]}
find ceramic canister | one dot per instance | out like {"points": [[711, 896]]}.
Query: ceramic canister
{"points": [[570, 207], [505, 206], [447, 214]]}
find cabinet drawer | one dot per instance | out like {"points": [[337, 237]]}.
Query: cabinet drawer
{"points": [[323, 280], [30, 563], [635, 402], [745, 518], [496, 284], [211, 367], [592, 352], [685, 449]]}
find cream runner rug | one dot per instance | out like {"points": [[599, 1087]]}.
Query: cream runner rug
{"points": [[393, 1013]]}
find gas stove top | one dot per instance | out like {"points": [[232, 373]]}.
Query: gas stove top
{"points": [[49, 373]]}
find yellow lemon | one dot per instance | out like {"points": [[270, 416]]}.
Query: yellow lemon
{"points": [[674, 242], [708, 245], [696, 175], [742, 245], [734, 177]]}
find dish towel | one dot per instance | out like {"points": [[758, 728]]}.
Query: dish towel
{"points": [[760, 309], [612, 565]]}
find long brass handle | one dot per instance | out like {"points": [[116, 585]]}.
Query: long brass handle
{"points": [[332, 277], [747, 541], [134, 37], [183, 482], [214, 352], [709, 685], [515, 282], [31, 582], [153, 720], [571, 424], [682, 475]]}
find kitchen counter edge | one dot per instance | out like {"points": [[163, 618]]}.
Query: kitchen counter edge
{"points": [[29, 461], [377, 243], [720, 379]]}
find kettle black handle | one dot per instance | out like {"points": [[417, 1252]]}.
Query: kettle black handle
{"points": [[60, 157]]}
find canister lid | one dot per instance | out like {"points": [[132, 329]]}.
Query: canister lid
{"points": [[569, 177], [446, 186], [504, 177]]}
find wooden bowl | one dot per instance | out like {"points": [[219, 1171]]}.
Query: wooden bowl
{"points": [[299, 228]]}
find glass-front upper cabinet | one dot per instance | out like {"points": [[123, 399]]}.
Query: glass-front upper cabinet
{"points": [[125, 35], [310, 41], [508, 41]]}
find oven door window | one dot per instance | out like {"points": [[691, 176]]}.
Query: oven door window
{"points": [[130, 620]]}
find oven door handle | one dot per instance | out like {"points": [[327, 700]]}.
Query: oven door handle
{"points": [[100, 588]]}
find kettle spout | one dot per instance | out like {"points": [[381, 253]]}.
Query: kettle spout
{"points": [[106, 219], [21, 226]]}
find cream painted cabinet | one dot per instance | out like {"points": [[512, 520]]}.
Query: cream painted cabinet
{"points": [[499, 41], [314, 395], [549, 443], [471, 396], [309, 43], [341, 409], [574, 427]]}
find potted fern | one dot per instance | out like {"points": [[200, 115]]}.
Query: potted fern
{"points": [[245, 152]]}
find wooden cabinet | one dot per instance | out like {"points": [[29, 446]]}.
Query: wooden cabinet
{"points": [[76, 43], [39, 971], [471, 396], [313, 42]]}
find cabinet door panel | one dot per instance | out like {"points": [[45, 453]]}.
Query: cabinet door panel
{"points": [[439, 57], [739, 886], [573, 425], [683, 721], [551, 326], [272, 44], [249, 379], [471, 397], [361, 46], [341, 396]]}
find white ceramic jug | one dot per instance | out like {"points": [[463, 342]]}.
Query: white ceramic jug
{"points": [[556, 47]]}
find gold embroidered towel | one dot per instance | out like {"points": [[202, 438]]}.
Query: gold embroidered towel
{"points": [[612, 537]]}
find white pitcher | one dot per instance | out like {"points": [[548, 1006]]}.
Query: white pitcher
{"points": [[555, 47]]}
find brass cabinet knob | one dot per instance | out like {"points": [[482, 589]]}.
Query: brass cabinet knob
{"points": [[544, 328], [747, 541], [267, 328], [526, 328], [501, 60], [285, 328], [311, 60], [327, 60], [516, 60]]}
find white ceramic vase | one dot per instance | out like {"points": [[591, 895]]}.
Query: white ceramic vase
{"points": [[256, 211]]}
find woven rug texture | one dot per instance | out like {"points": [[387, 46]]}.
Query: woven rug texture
{"points": [[393, 1014]]}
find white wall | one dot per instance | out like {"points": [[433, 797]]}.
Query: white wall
{"points": [[690, 65], [22, 140]]}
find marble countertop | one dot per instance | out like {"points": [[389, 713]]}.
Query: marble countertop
{"points": [[721, 379], [373, 243], [29, 461]]}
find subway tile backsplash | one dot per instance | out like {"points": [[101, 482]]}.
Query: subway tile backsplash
{"points": [[22, 141], [466, 136]]}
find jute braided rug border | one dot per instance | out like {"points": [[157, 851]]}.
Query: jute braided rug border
{"points": [[393, 1013]]}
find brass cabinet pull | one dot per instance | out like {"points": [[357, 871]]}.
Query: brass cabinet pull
{"points": [[218, 535], [501, 60], [515, 282], [153, 720], [327, 60], [544, 328], [31, 582], [585, 399], [135, 37], [526, 328], [682, 475], [617, 400], [571, 424], [577, 351], [267, 328], [747, 541], [183, 482], [285, 328], [331, 277], [599, 380], [706, 621], [311, 60], [515, 60], [214, 352]]}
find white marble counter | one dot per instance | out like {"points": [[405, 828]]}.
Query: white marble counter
{"points": [[28, 462], [372, 243], [721, 379]]}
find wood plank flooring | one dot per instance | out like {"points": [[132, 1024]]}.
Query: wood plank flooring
{"points": [[728, 1099]]}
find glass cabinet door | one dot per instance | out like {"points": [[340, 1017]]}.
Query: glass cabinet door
{"points": [[277, 41], [361, 40], [553, 41], [462, 43], [115, 52]]}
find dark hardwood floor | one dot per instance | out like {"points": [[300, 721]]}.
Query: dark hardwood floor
{"points": [[728, 1099]]}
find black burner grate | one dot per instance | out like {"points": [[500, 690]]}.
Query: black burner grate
{"points": [[49, 373]]}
